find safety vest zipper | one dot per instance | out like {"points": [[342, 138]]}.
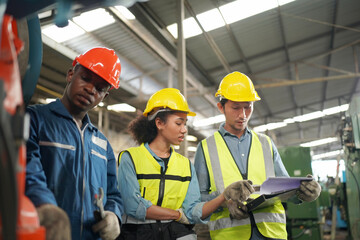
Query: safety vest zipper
{"points": [[161, 186], [83, 172]]}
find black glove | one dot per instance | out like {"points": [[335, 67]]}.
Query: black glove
{"points": [[309, 190]]}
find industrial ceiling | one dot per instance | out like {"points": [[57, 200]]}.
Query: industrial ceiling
{"points": [[303, 57]]}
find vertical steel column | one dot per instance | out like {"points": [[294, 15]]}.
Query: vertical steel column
{"points": [[170, 78], [181, 59], [181, 53], [106, 123]]}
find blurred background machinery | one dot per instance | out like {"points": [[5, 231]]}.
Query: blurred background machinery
{"points": [[338, 207], [303, 221], [350, 136], [19, 218]]}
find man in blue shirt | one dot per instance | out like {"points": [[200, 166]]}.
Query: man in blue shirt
{"points": [[69, 159], [236, 153]]}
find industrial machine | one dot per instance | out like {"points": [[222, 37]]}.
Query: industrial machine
{"points": [[19, 218], [350, 138], [302, 220], [20, 63]]}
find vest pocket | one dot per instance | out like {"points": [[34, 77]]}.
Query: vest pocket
{"points": [[172, 201], [150, 194]]}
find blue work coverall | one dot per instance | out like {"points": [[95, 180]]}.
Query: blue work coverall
{"points": [[66, 166]]}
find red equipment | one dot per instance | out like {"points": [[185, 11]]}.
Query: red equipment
{"points": [[19, 219]]}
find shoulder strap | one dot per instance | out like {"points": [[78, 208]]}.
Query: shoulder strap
{"points": [[215, 163], [267, 152]]}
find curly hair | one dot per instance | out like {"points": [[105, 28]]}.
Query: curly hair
{"points": [[143, 130]]}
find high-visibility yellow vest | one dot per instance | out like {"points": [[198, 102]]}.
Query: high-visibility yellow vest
{"points": [[270, 221], [163, 188]]}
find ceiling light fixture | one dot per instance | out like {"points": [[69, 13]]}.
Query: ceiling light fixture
{"points": [[269, 126], [101, 104], [327, 154], [211, 20], [85, 22], [239, 10], [232, 12], [309, 116], [121, 107], [319, 142], [191, 138], [62, 34], [209, 121], [191, 28], [305, 117], [191, 149], [94, 19], [45, 14]]}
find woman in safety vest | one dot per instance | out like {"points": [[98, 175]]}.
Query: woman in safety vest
{"points": [[160, 187]]}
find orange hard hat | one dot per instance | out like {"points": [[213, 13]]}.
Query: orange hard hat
{"points": [[102, 61]]}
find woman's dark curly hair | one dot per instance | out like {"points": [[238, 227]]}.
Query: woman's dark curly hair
{"points": [[143, 130]]}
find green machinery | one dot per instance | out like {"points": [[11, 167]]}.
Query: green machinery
{"points": [[350, 136], [302, 220]]}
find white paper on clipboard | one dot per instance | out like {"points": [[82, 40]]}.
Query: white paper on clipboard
{"points": [[280, 184]]}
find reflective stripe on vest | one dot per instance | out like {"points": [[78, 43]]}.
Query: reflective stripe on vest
{"points": [[223, 171], [166, 189]]}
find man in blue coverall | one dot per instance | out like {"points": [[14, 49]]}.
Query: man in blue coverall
{"points": [[235, 153], [69, 159]]}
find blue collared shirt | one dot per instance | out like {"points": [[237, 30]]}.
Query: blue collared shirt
{"points": [[66, 166], [239, 147], [136, 205]]}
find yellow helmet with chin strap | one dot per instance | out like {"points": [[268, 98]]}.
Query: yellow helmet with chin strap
{"points": [[237, 87], [168, 98]]}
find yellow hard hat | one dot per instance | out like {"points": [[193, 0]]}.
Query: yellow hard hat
{"points": [[168, 98], [237, 87]]}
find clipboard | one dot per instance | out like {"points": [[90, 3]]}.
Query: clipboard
{"points": [[274, 190]]}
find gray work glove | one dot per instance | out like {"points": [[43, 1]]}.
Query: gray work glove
{"points": [[182, 219], [309, 190], [239, 191], [56, 222], [108, 227], [237, 209]]}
